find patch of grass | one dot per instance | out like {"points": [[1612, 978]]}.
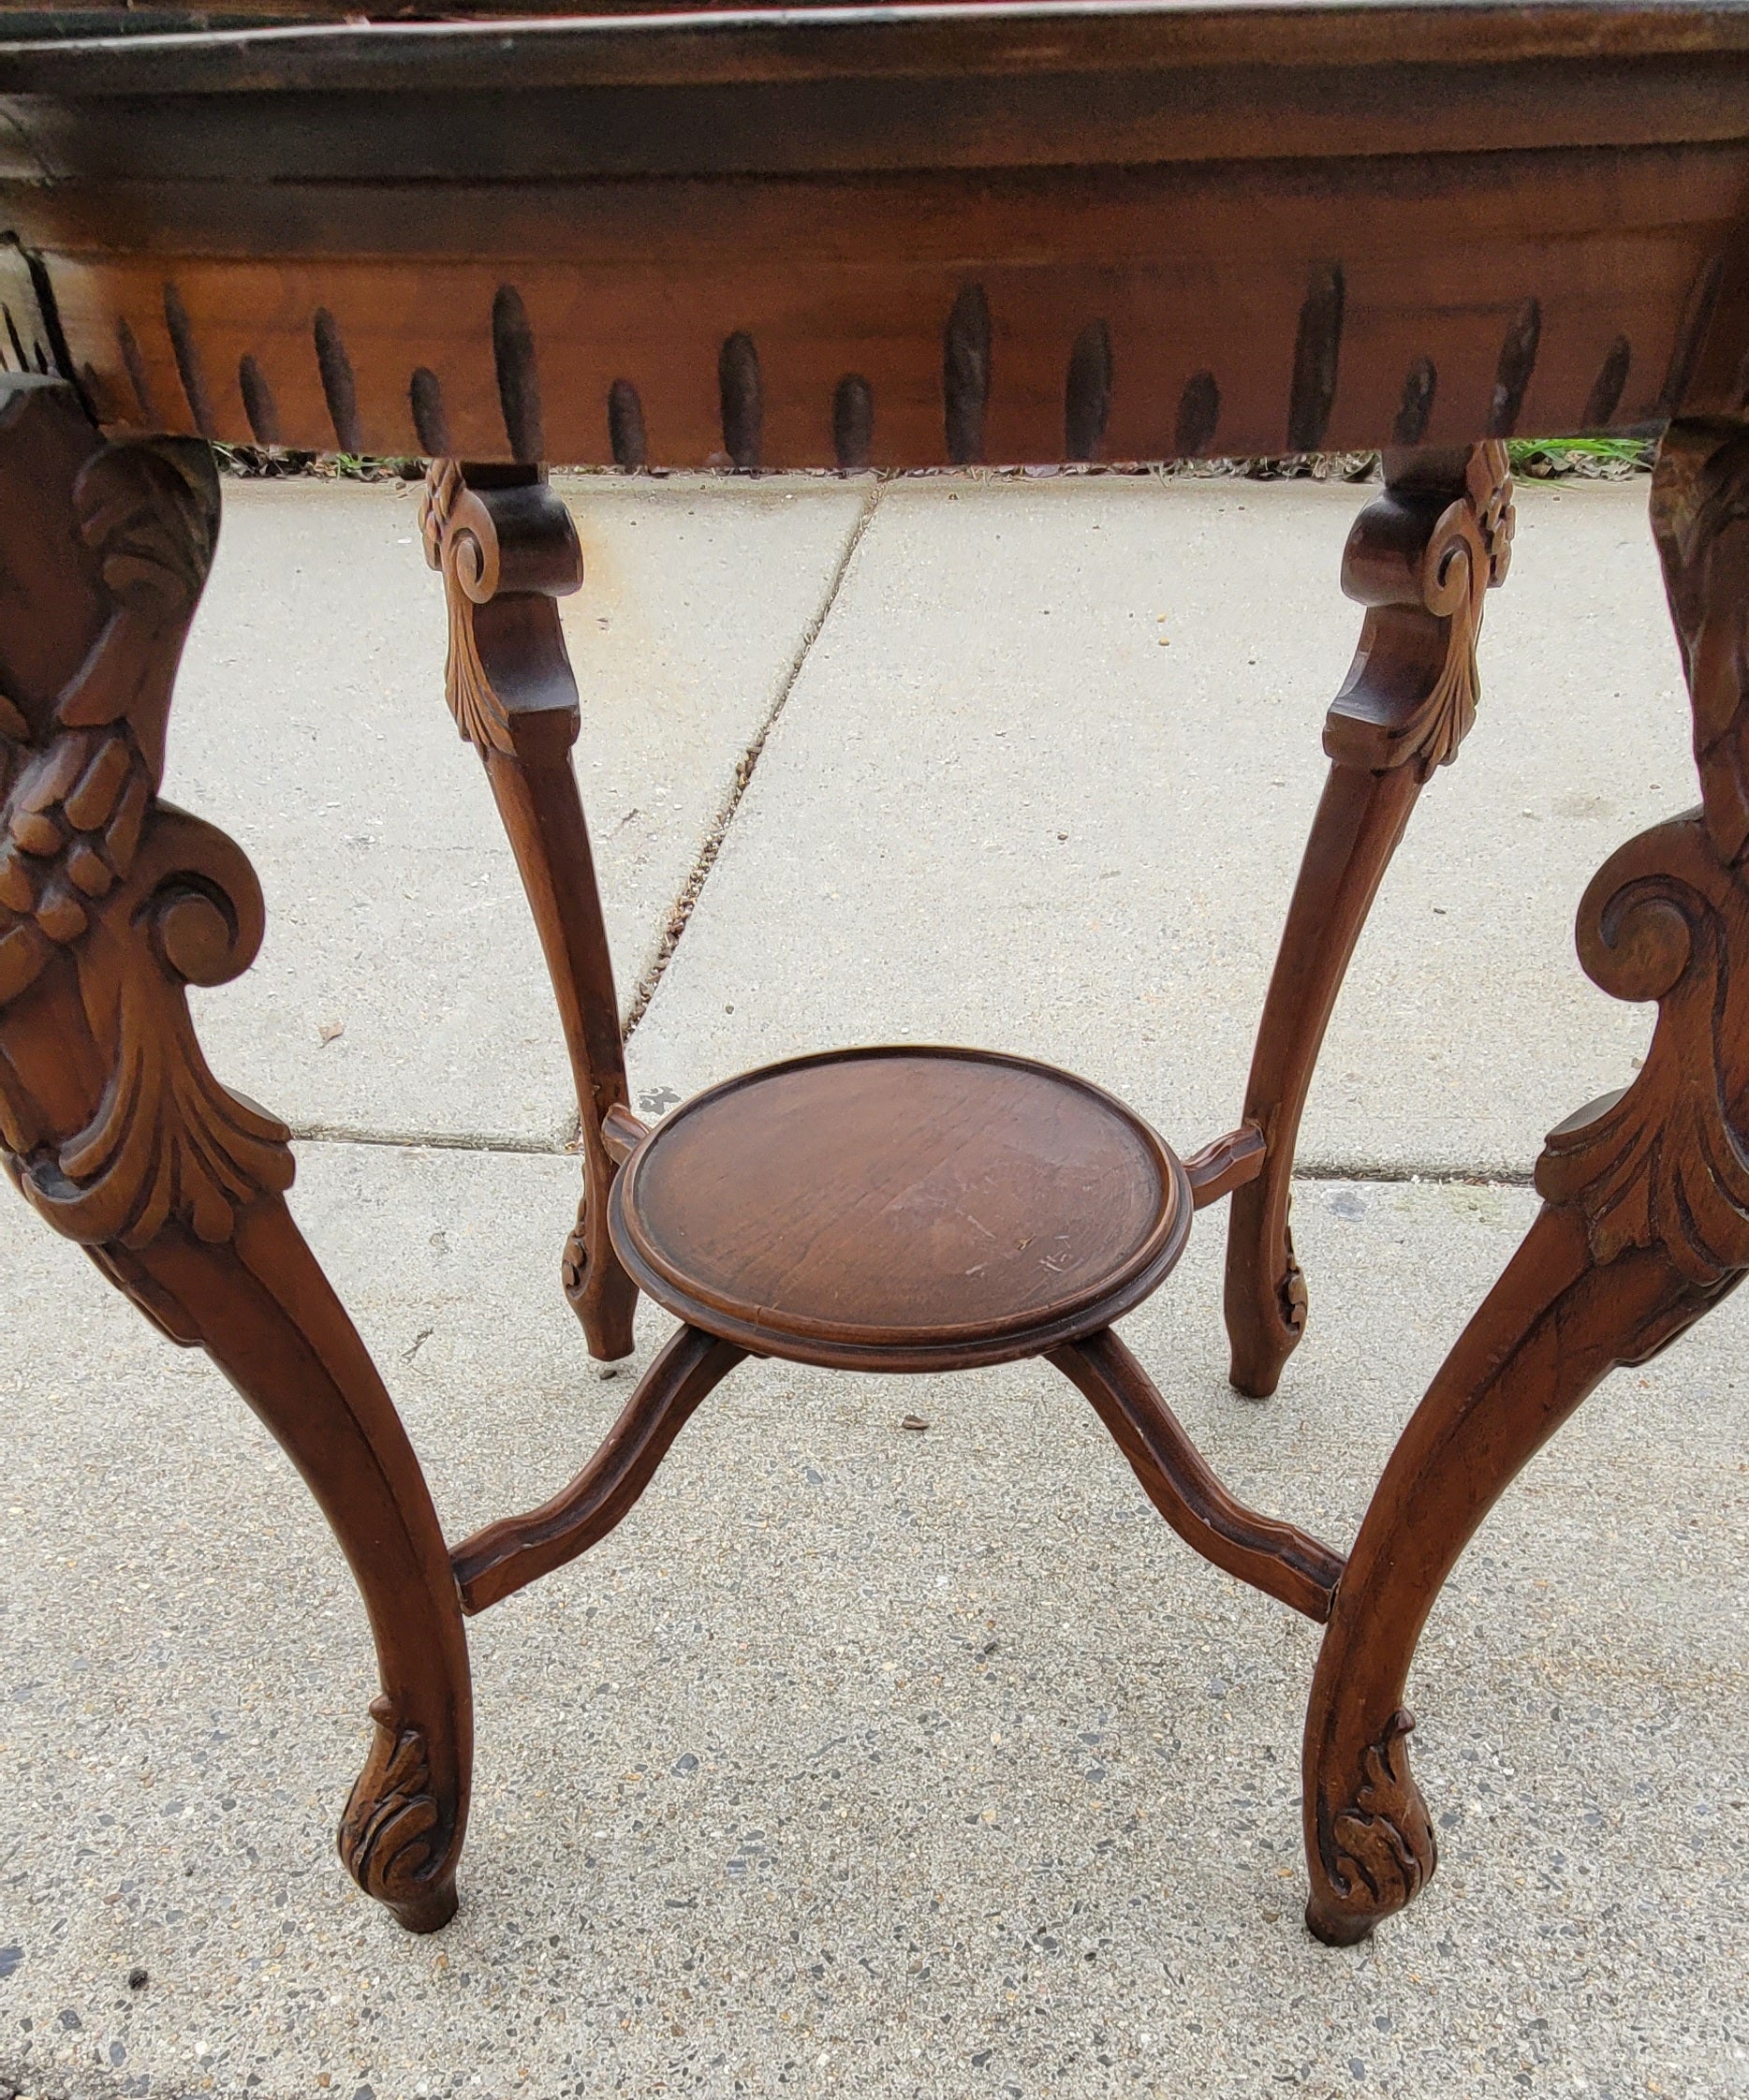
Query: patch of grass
{"points": [[361, 466], [1541, 457]]}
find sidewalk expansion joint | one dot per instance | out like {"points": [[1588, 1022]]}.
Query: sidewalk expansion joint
{"points": [[559, 1147], [682, 913], [1412, 1170]]}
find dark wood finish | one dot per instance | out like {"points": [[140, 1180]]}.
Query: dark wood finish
{"points": [[887, 237], [909, 1209], [516, 1550], [1421, 558], [112, 902], [622, 1133], [506, 548], [1277, 1558], [888, 258], [1646, 1222], [455, 48], [860, 237]]}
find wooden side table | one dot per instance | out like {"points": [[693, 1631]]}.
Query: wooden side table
{"points": [[856, 239]]}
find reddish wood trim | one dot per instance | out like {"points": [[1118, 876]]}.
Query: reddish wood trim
{"points": [[725, 45], [506, 548], [755, 1123], [1272, 1556], [1224, 1163], [1646, 1222]]}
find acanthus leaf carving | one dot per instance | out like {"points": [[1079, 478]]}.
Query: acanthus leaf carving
{"points": [[495, 549], [1468, 555], [142, 899], [168, 1140], [1382, 1850], [112, 1122], [461, 544], [392, 1837], [1664, 1164]]}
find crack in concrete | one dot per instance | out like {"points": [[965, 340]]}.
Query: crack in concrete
{"points": [[1427, 1170], [681, 913], [556, 1147]]}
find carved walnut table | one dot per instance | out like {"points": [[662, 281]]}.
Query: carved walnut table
{"points": [[1063, 230]]}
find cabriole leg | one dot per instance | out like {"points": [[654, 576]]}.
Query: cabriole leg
{"points": [[1645, 1224], [111, 904], [1420, 559], [506, 548]]}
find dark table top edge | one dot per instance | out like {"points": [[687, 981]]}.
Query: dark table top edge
{"points": [[995, 36]]}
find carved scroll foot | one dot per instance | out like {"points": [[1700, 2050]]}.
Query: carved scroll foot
{"points": [[111, 904], [1646, 1222], [1554, 1324], [269, 1318], [507, 549], [394, 1837], [1381, 1851], [1419, 558]]}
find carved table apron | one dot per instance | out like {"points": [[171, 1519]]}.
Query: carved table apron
{"points": [[862, 240]]}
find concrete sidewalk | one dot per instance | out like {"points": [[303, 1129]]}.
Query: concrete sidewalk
{"points": [[865, 1761]]}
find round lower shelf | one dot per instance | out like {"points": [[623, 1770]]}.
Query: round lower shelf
{"points": [[911, 1209]]}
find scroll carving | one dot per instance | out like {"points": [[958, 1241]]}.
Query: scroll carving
{"points": [[1665, 1164], [1383, 1843], [111, 904], [496, 547], [1469, 553], [392, 1838], [1417, 556], [507, 548], [461, 543], [1645, 1224], [1422, 558], [137, 898]]}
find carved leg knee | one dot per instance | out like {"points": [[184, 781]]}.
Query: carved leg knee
{"points": [[1555, 1323], [111, 904], [1421, 558], [510, 690]]}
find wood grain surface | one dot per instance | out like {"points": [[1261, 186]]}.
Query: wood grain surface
{"points": [[753, 240], [901, 1209]]}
